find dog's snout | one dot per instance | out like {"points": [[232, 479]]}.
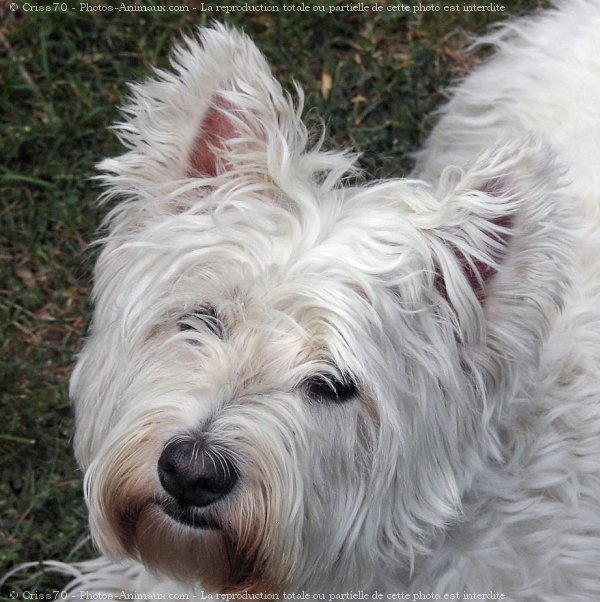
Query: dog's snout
{"points": [[194, 474]]}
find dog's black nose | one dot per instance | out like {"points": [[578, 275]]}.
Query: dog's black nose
{"points": [[194, 475]]}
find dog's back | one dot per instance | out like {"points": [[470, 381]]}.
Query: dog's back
{"points": [[544, 79]]}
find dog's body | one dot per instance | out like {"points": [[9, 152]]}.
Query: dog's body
{"points": [[291, 385]]}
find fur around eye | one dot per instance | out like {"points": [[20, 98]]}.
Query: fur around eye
{"points": [[330, 389], [205, 316]]}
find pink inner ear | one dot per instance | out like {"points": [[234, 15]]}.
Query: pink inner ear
{"points": [[217, 127], [477, 272]]}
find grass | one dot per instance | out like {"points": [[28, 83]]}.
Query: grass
{"points": [[373, 77]]}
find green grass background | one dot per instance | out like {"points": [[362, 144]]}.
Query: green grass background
{"points": [[62, 77]]}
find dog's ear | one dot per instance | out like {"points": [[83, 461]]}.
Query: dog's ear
{"points": [[219, 107], [503, 252], [215, 131]]}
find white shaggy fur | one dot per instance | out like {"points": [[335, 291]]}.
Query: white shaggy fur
{"points": [[464, 304]]}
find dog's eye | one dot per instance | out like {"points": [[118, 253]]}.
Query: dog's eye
{"points": [[327, 388], [206, 317]]}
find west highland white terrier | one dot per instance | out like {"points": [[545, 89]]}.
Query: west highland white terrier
{"points": [[296, 385]]}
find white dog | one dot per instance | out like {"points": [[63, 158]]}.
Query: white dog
{"points": [[292, 384]]}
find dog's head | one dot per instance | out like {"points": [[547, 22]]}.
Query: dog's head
{"points": [[289, 382]]}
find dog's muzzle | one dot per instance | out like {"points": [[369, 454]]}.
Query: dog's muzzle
{"points": [[195, 477]]}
